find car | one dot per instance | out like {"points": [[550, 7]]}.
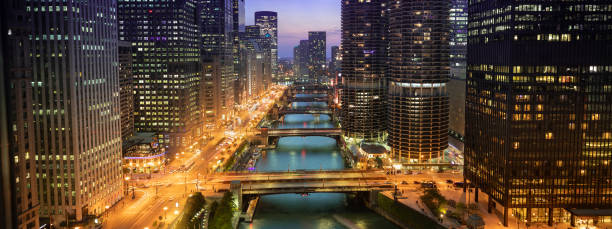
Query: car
{"points": [[416, 182], [404, 182], [449, 181]]}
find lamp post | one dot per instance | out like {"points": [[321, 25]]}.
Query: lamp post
{"points": [[165, 210]]}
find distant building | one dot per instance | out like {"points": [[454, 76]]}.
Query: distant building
{"points": [[126, 89], [364, 58], [285, 70], [538, 136], [216, 23], [166, 68], [317, 56], [419, 70], [334, 63], [238, 27], [458, 38], [19, 200], [258, 61], [301, 61], [268, 24]]}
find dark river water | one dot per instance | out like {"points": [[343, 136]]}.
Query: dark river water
{"points": [[318, 210]]}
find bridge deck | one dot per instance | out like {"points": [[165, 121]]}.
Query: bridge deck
{"points": [[305, 132]]}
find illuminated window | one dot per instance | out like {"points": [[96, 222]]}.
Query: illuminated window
{"points": [[539, 117], [572, 126], [549, 135], [515, 145], [607, 135]]}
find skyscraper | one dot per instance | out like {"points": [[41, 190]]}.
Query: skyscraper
{"points": [[458, 38], [19, 203], [258, 59], [538, 112], [126, 88], [238, 27], [268, 23], [317, 55], [303, 61], [418, 72], [334, 63], [75, 94], [166, 68], [364, 56], [456, 85], [217, 36]]}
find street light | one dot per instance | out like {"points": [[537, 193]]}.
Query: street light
{"points": [[165, 210]]}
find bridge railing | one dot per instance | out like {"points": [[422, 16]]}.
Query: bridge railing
{"points": [[300, 171]]}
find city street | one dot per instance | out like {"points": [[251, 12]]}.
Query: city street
{"points": [[165, 193]]}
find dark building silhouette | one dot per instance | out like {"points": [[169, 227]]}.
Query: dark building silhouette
{"points": [[19, 198], [364, 59], [126, 89], [539, 108]]}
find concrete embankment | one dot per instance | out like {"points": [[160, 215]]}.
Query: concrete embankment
{"points": [[401, 215]]}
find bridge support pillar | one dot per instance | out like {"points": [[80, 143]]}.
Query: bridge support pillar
{"points": [[373, 198], [236, 189]]}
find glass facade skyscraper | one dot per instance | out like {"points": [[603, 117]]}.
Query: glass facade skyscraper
{"points": [[538, 112], [364, 65], [268, 23], [216, 23], [458, 38], [418, 72]]}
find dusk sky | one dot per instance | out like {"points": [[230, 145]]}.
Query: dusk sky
{"points": [[296, 18]]}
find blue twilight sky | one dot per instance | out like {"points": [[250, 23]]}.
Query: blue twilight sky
{"points": [[296, 18]]}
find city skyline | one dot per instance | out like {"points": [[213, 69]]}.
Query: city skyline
{"points": [[177, 114], [296, 18]]}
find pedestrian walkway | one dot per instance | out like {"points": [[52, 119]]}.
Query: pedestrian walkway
{"points": [[494, 220]]}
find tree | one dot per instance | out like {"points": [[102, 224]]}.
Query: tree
{"points": [[379, 162], [223, 214], [194, 203]]}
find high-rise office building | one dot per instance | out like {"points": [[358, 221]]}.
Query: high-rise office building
{"points": [[296, 63], [301, 61], [126, 89], [364, 58], [538, 112], [166, 68], [456, 84], [458, 38], [258, 59], [76, 121], [19, 201], [216, 21], [317, 55], [418, 73], [268, 23], [238, 27], [334, 63]]}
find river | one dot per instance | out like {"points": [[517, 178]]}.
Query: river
{"points": [[318, 210]]}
